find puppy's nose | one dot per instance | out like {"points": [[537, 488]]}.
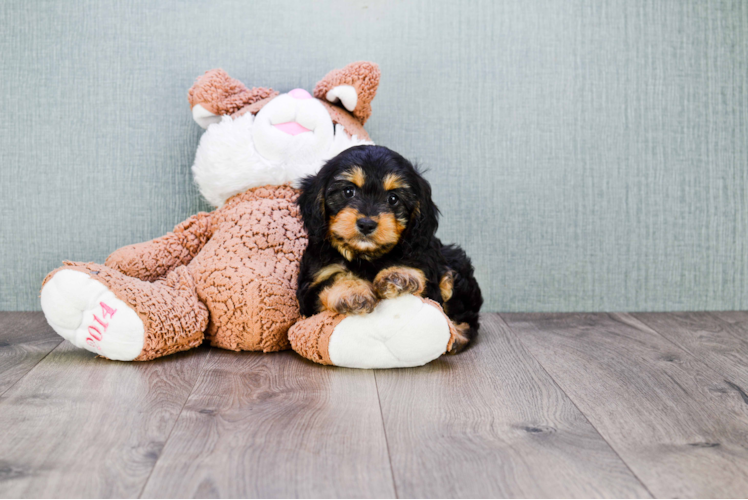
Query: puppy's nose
{"points": [[366, 225]]}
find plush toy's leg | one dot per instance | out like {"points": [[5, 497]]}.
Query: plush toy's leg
{"points": [[402, 332], [102, 310], [248, 312]]}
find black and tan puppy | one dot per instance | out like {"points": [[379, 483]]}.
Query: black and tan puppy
{"points": [[371, 226]]}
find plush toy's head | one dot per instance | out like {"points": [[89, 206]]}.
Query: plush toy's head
{"points": [[257, 136]]}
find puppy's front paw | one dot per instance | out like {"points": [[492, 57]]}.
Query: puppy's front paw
{"points": [[395, 281], [349, 297], [355, 303]]}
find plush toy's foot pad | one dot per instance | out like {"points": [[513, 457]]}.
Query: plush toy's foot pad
{"points": [[402, 332], [85, 312]]}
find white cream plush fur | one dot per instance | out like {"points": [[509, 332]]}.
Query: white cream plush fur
{"points": [[399, 333], [228, 162]]}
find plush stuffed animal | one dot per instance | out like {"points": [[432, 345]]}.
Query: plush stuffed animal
{"points": [[229, 276]]}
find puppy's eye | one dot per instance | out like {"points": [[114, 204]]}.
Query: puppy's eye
{"points": [[393, 200], [349, 192]]}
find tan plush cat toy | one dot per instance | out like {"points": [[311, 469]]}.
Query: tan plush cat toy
{"points": [[229, 276]]}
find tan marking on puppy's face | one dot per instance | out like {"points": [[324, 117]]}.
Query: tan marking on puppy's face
{"points": [[354, 175], [393, 181], [343, 224], [327, 272], [388, 232], [348, 240], [343, 232], [394, 281], [348, 295]]}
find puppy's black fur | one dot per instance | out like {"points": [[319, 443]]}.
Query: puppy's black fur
{"points": [[373, 183]]}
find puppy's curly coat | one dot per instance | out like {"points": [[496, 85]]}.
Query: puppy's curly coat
{"points": [[371, 225]]}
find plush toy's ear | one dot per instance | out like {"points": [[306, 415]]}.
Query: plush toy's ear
{"points": [[216, 93], [353, 86]]}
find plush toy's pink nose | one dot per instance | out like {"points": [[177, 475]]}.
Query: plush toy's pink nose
{"points": [[300, 94]]}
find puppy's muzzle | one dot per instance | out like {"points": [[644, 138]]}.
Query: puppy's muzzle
{"points": [[366, 226]]}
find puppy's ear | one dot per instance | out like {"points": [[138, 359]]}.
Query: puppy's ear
{"points": [[312, 207], [424, 219]]}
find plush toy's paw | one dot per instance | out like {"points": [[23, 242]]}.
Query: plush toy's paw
{"points": [[85, 312], [462, 338], [395, 281], [402, 332]]}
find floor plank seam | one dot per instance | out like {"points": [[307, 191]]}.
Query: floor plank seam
{"points": [[542, 367], [384, 431], [176, 421], [667, 339], [32, 368], [738, 389], [715, 315], [677, 345]]}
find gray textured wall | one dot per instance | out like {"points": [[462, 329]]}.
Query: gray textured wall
{"points": [[590, 155]]}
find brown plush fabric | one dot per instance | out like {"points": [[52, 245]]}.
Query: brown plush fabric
{"points": [[310, 337], [173, 317], [153, 259], [452, 330], [352, 125], [246, 274], [220, 94], [230, 273], [253, 108], [363, 76]]}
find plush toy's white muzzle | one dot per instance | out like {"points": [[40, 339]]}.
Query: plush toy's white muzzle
{"points": [[292, 125], [291, 137]]}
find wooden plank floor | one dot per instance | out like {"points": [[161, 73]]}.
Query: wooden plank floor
{"points": [[542, 405]]}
